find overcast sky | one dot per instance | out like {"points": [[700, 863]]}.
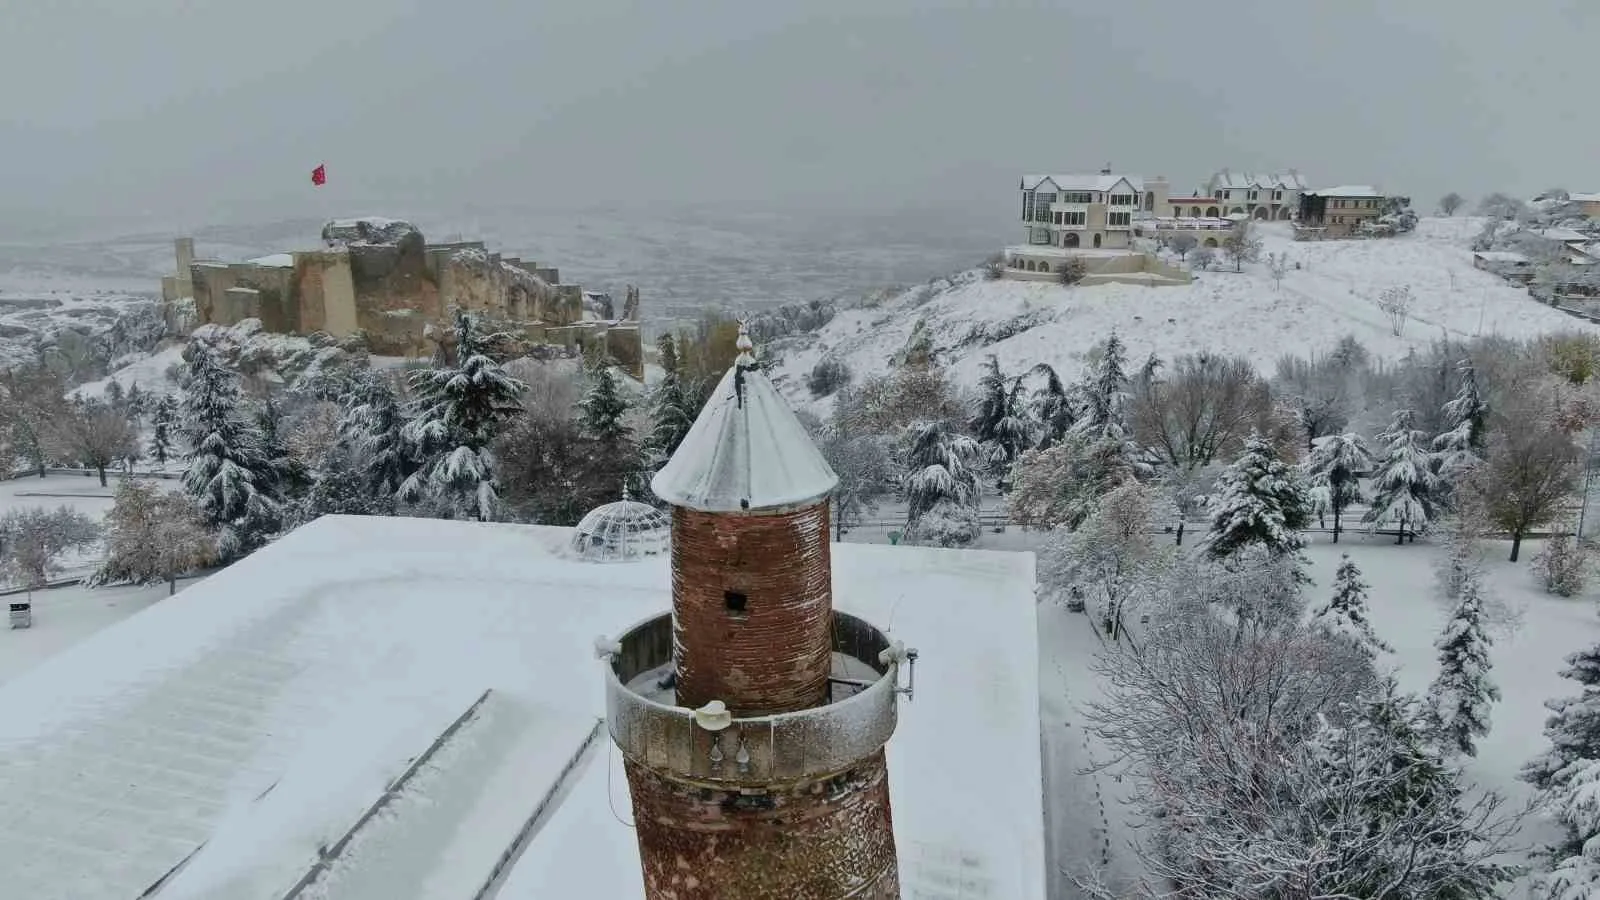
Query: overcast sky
{"points": [[216, 110]]}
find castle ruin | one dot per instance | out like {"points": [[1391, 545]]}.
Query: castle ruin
{"points": [[381, 280]]}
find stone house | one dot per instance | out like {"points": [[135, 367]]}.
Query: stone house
{"points": [[1338, 212], [1264, 196]]}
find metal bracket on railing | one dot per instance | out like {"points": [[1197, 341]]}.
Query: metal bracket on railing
{"points": [[897, 653]]}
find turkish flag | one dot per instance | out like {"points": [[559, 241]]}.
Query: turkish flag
{"points": [[319, 175]]}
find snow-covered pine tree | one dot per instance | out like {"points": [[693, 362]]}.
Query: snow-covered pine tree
{"points": [[457, 411], [1332, 472], [1568, 774], [602, 408], [1259, 501], [670, 414], [229, 475], [1462, 691], [1404, 485], [1389, 814], [1054, 405], [1104, 396], [290, 479], [373, 426], [1001, 424], [1345, 614], [1462, 445], [939, 475], [161, 427]]}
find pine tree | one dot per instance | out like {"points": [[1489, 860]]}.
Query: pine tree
{"points": [[457, 411], [229, 476], [1461, 693], [602, 408], [939, 471], [161, 428], [670, 417], [1404, 485], [1390, 813], [1259, 501], [290, 479], [1054, 406], [1332, 470], [1105, 392], [1462, 445], [373, 426], [1568, 772], [1001, 424], [1346, 613]]}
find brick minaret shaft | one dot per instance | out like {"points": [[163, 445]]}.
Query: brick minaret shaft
{"points": [[752, 604], [752, 624], [752, 619]]}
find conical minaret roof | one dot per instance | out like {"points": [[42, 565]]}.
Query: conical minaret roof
{"points": [[746, 451]]}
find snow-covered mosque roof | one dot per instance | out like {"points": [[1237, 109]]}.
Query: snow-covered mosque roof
{"points": [[747, 450], [230, 734]]}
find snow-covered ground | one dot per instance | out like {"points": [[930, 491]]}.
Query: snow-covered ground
{"points": [[64, 616], [1092, 821], [1334, 293]]}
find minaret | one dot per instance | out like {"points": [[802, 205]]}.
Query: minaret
{"points": [[752, 719]]}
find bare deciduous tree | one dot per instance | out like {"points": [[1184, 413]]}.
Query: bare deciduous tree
{"points": [[1241, 245], [1320, 391], [1202, 410], [95, 435], [1278, 266], [1181, 244], [1396, 304], [33, 539], [1449, 203], [1204, 258], [30, 400], [1532, 467]]}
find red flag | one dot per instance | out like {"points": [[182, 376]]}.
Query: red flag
{"points": [[319, 175]]}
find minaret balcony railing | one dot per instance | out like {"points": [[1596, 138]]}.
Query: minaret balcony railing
{"points": [[712, 747]]}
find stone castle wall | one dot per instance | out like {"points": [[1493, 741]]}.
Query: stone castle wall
{"points": [[390, 286]]}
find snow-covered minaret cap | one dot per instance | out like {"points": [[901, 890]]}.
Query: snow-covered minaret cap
{"points": [[746, 347]]}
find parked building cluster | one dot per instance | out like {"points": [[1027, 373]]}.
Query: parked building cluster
{"points": [[1096, 217]]}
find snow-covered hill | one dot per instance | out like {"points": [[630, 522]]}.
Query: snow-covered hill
{"points": [[1334, 292]]}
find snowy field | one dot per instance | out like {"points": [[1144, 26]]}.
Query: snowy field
{"points": [[1333, 294], [293, 687]]}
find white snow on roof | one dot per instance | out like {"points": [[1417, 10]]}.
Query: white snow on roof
{"points": [[1080, 182], [1349, 190], [745, 451], [1288, 181], [1505, 256], [372, 221], [275, 260], [1584, 198], [1564, 235], [257, 715]]}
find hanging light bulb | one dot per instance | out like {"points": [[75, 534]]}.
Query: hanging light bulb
{"points": [[716, 752], [742, 757]]}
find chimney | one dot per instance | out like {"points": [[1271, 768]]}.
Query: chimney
{"points": [[749, 777]]}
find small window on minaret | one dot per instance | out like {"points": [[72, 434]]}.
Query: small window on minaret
{"points": [[735, 601]]}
